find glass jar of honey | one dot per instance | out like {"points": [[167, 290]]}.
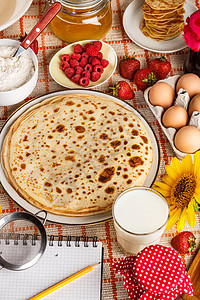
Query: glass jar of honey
{"points": [[82, 20]]}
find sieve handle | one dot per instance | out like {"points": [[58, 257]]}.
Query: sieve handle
{"points": [[45, 213]]}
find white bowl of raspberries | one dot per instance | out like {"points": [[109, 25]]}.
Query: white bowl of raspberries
{"points": [[84, 64]]}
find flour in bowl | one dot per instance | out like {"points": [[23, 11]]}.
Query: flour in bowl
{"points": [[14, 71]]}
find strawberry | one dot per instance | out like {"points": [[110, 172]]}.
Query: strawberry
{"points": [[128, 66], [144, 78], [160, 67], [122, 90], [184, 242]]}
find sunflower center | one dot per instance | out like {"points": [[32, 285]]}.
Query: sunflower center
{"points": [[183, 190]]}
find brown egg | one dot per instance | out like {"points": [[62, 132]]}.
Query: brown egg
{"points": [[187, 139], [175, 117], [189, 82], [161, 94], [194, 104]]}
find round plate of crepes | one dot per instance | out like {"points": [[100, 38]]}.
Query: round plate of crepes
{"points": [[71, 153], [154, 29]]}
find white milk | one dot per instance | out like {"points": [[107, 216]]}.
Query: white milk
{"points": [[140, 216]]}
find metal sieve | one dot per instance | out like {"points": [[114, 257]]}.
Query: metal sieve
{"points": [[23, 240]]}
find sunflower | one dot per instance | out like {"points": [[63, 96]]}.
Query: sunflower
{"points": [[181, 187]]}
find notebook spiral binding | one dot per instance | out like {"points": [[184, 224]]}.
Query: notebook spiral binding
{"points": [[52, 239]]}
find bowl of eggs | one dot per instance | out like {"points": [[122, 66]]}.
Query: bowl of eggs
{"points": [[18, 75], [175, 102]]}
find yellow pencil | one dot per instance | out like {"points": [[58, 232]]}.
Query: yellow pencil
{"points": [[63, 282]]}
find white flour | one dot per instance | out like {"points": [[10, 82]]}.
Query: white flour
{"points": [[14, 71]]}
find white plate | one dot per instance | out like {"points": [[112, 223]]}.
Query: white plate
{"points": [[12, 11], [63, 219], [59, 76], [132, 18]]}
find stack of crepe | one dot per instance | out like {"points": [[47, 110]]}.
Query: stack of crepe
{"points": [[163, 19]]}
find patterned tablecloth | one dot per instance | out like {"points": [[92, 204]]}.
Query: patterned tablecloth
{"points": [[49, 44]]}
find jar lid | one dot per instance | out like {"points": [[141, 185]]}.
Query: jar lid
{"points": [[81, 3]]}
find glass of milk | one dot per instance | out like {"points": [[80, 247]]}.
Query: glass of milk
{"points": [[140, 215]]}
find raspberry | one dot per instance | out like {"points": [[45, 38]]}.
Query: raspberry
{"points": [[90, 59], [91, 50], [98, 68], [95, 61], [78, 70], [86, 45], [104, 63], [76, 78], [86, 74], [78, 48], [88, 68], [69, 72], [95, 76], [84, 81], [83, 62], [65, 57], [73, 63], [84, 54], [97, 45], [76, 56], [64, 65], [100, 55]]}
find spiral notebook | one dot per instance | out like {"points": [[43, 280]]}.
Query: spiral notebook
{"points": [[62, 258]]}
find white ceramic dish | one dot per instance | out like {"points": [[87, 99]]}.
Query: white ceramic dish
{"points": [[63, 219], [132, 19], [11, 11], [158, 111], [59, 76], [19, 94]]}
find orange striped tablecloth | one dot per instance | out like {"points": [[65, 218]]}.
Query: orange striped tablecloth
{"points": [[49, 44]]}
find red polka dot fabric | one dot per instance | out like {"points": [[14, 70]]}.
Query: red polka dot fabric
{"points": [[157, 272]]}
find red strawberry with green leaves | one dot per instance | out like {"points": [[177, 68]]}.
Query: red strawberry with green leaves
{"points": [[128, 66], [184, 242], [122, 90], [160, 67], [144, 78]]}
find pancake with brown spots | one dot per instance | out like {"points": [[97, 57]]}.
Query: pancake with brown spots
{"points": [[72, 155]]}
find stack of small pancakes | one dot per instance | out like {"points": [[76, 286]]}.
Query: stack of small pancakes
{"points": [[163, 19]]}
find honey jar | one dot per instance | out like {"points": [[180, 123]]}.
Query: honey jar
{"points": [[82, 20]]}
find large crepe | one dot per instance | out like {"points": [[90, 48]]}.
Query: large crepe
{"points": [[73, 154]]}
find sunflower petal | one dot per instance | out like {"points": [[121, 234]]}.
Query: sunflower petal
{"points": [[162, 185], [196, 169], [197, 197], [197, 190], [171, 173], [191, 214], [182, 220], [163, 192], [187, 164], [176, 166], [167, 180], [174, 216]]}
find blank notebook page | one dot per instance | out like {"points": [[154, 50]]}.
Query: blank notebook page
{"points": [[57, 263]]}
